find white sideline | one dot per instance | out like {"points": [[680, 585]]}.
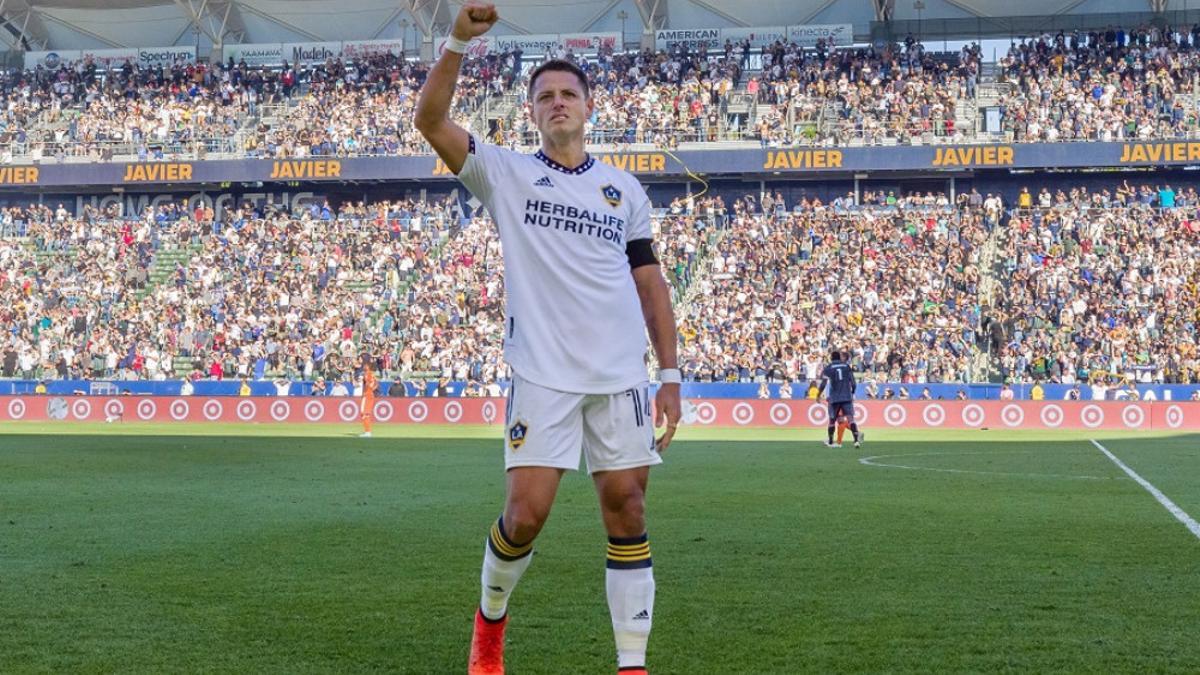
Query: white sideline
{"points": [[1179, 513]]}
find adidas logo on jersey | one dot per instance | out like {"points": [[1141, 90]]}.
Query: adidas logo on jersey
{"points": [[642, 616], [544, 181]]}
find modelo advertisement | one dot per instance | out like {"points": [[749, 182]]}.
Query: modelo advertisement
{"points": [[311, 53]]}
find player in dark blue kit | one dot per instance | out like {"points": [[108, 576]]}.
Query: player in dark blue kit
{"points": [[840, 379]]}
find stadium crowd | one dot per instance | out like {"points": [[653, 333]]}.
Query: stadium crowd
{"points": [[365, 106], [898, 282], [1101, 286], [1104, 85], [1093, 285], [264, 292], [895, 94]]}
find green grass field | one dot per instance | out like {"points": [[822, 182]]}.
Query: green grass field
{"points": [[143, 548]]}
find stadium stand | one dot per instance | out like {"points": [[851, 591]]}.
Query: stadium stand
{"points": [[1072, 281]]}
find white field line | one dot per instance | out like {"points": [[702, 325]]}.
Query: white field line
{"points": [[1169, 505], [873, 461]]}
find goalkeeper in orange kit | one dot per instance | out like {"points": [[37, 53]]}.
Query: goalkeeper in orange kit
{"points": [[367, 402], [842, 425]]}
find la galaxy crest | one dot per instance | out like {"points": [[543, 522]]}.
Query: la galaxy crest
{"points": [[516, 434], [611, 195]]}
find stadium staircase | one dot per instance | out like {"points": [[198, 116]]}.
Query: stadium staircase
{"points": [[984, 364], [685, 294], [161, 269], [163, 266]]}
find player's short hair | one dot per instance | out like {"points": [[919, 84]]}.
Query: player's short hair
{"points": [[561, 66], [835, 355]]}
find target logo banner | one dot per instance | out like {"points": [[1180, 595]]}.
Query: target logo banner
{"points": [[737, 413], [950, 414]]}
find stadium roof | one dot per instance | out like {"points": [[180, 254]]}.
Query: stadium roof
{"points": [[98, 24]]}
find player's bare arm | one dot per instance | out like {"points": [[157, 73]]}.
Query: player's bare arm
{"points": [[450, 141], [655, 297]]}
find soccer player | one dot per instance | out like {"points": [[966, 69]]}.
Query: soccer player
{"points": [[583, 286], [367, 402], [840, 379]]}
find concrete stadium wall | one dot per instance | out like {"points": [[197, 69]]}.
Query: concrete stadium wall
{"points": [[1107, 415]]}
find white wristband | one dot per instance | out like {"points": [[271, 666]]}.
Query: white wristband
{"points": [[455, 45], [669, 376]]}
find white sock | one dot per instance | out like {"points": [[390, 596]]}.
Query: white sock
{"points": [[629, 581], [503, 565]]}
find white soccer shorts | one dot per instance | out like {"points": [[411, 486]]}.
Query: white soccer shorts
{"points": [[546, 427]]}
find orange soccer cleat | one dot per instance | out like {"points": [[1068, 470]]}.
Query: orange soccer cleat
{"points": [[631, 671], [487, 646]]}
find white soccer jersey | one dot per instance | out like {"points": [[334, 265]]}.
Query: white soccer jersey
{"points": [[574, 321]]}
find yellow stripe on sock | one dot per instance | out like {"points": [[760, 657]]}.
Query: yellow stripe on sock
{"points": [[629, 557], [503, 546], [628, 547], [643, 548], [629, 560]]}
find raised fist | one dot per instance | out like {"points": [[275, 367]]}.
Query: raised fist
{"points": [[474, 19]]}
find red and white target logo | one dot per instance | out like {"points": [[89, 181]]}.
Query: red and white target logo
{"points": [[489, 412], [1052, 415], [1092, 416], [895, 414], [973, 415], [418, 411], [860, 414], [933, 415], [1012, 415], [114, 408], [314, 411], [146, 409], [453, 411], [817, 414], [212, 409], [81, 408], [383, 411], [1133, 416], [743, 414], [179, 409], [16, 409], [1174, 417], [348, 410], [246, 410], [706, 413], [781, 413], [280, 410]]}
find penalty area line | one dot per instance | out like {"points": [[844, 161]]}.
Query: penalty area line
{"points": [[1169, 505]]}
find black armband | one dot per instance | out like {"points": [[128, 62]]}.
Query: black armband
{"points": [[640, 252]]}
